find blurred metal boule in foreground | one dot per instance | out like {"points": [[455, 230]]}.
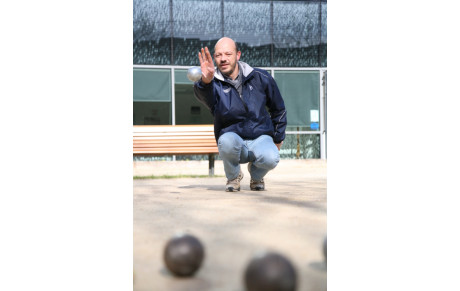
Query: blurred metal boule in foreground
{"points": [[183, 255], [268, 271]]}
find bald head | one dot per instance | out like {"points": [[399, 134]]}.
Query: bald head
{"points": [[227, 42]]}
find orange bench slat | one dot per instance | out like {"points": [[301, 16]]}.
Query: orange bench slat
{"points": [[174, 139]]}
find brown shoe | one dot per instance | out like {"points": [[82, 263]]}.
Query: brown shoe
{"points": [[255, 185], [234, 185]]}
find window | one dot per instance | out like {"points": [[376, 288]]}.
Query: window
{"points": [[188, 109], [152, 96], [300, 91]]}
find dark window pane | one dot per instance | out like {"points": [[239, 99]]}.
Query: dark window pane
{"points": [[300, 91], [152, 113], [152, 85], [188, 109], [152, 96], [151, 32]]}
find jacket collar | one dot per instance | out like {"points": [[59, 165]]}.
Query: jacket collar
{"points": [[247, 70]]}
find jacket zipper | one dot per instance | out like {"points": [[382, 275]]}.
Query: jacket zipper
{"points": [[244, 103]]}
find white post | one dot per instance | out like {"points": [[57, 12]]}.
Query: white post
{"points": [[173, 98], [322, 110], [173, 103]]}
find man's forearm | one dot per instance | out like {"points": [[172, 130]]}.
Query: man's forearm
{"points": [[203, 92]]}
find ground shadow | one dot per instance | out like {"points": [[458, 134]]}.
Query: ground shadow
{"points": [[203, 187], [184, 283], [259, 195]]}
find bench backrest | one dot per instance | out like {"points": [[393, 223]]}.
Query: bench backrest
{"points": [[173, 139]]}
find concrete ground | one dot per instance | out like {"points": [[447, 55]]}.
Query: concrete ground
{"points": [[289, 217]]}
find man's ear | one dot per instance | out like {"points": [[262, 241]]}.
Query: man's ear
{"points": [[238, 55]]}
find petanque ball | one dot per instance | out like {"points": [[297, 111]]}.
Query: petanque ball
{"points": [[270, 271], [194, 74], [183, 255]]}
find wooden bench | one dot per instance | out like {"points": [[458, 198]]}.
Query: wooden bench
{"points": [[160, 140]]}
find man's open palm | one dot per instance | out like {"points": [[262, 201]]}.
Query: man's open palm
{"points": [[207, 65]]}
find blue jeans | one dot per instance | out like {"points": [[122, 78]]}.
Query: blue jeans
{"points": [[262, 152]]}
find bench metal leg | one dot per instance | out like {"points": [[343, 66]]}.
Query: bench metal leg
{"points": [[211, 165]]}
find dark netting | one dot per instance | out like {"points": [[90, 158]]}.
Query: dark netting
{"points": [[323, 51], [297, 57], [268, 33], [196, 24], [186, 50], [296, 34], [249, 24], [152, 52], [151, 32], [256, 56]]}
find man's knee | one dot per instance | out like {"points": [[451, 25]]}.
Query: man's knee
{"points": [[273, 160], [229, 143], [269, 160]]}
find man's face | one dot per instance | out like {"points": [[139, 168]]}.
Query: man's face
{"points": [[226, 57]]}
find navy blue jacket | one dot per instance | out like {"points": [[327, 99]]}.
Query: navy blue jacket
{"points": [[247, 116]]}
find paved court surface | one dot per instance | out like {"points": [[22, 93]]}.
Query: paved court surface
{"points": [[289, 217]]}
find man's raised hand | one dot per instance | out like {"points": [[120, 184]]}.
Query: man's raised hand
{"points": [[207, 65]]}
